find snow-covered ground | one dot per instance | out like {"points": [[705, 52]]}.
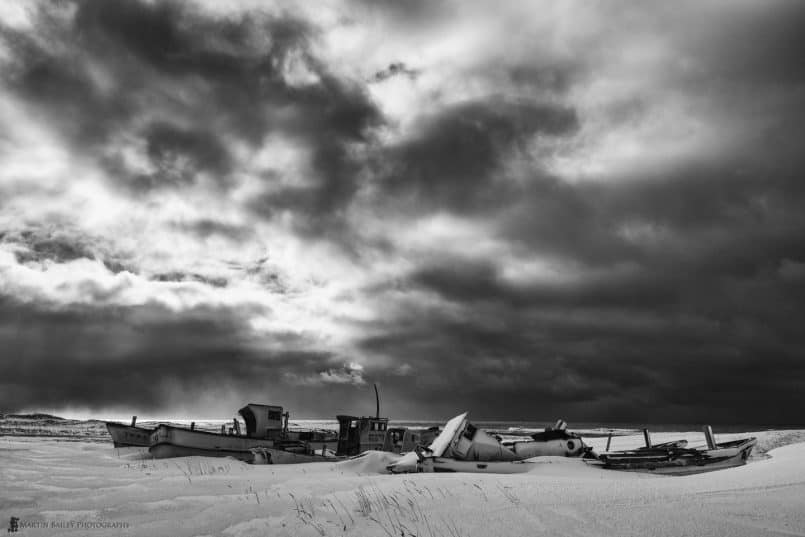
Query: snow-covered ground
{"points": [[90, 488]]}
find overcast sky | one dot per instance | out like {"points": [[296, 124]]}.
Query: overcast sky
{"points": [[527, 210]]}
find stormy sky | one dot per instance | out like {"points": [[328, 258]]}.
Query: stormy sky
{"points": [[522, 209]]}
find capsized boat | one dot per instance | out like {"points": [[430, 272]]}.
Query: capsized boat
{"points": [[129, 435], [462, 447], [266, 429], [675, 458]]}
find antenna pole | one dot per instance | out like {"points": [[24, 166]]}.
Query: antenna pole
{"points": [[377, 402]]}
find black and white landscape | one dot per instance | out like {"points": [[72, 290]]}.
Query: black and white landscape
{"points": [[524, 210]]}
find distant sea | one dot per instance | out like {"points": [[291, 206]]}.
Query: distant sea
{"points": [[95, 429]]}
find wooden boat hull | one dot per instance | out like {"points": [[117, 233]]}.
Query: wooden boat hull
{"points": [[680, 461], [168, 441], [128, 436]]}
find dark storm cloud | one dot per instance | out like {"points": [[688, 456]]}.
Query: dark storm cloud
{"points": [[468, 282], [754, 45], [556, 76], [184, 82], [670, 349], [678, 325], [456, 158], [60, 244], [166, 144], [686, 363], [208, 227], [149, 358], [495, 365], [53, 248], [330, 116], [131, 350], [189, 277], [687, 300], [140, 48], [674, 287], [405, 11], [718, 218]]}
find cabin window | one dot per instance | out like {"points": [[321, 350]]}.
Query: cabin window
{"points": [[274, 415], [469, 431]]}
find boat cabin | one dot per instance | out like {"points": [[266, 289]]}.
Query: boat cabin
{"points": [[404, 439], [264, 421], [358, 434]]}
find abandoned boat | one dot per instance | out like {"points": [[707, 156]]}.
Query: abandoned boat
{"points": [[554, 441], [357, 434], [266, 429], [268, 439], [675, 458], [462, 447], [129, 435]]}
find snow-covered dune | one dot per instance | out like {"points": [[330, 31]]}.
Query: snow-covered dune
{"points": [[87, 488]]}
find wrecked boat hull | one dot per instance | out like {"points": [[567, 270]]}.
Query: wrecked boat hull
{"points": [[680, 461], [265, 456], [552, 443], [462, 447], [128, 436], [168, 441]]}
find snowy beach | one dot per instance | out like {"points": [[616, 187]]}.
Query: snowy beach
{"points": [[61, 486]]}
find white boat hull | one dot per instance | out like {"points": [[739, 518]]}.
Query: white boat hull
{"points": [[128, 436]]}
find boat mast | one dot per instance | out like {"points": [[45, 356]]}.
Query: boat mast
{"points": [[377, 402]]}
